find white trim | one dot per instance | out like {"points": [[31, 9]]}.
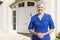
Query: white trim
{"points": [[24, 2]]}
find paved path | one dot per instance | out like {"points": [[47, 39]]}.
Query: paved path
{"points": [[13, 36]]}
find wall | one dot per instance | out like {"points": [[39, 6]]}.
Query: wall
{"points": [[0, 18], [58, 15]]}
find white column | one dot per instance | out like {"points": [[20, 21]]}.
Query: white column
{"points": [[0, 18], [58, 15], [53, 13], [5, 14], [10, 18], [4, 17]]}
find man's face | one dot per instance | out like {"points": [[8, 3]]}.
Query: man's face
{"points": [[40, 8]]}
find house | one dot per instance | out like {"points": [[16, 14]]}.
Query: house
{"points": [[13, 15], [22, 10]]}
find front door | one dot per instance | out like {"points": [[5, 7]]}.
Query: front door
{"points": [[23, 17]]}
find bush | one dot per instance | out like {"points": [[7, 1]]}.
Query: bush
{"points": [[57, 36], [57, 39]]}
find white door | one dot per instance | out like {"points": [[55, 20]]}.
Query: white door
{"points": [[23, 18], [29, 12], [24, 14]]}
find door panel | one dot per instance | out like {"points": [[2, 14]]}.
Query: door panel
{"points": [[23, 18]]}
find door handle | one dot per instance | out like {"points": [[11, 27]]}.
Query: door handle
{"points": [[26, 24], [30, 14]]}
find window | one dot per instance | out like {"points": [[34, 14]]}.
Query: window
{"points": [[30, 3], [14, 20], [21, 5]]}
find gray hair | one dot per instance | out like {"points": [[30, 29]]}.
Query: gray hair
{"points": [[40, 2]]}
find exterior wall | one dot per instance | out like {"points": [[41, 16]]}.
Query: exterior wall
{"points": [[4, 11], [0, 18], [58, 16]]}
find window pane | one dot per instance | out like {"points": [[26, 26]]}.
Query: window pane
{"points": [[14, 13], [21, 5], [30, 3], [14, 26], [14, 20]]}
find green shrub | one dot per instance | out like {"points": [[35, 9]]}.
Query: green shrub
{"points": [[57, 36], [57, 39]]}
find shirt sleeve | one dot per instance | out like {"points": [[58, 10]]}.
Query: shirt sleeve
{"points": [[51, 23], [31, 24]]}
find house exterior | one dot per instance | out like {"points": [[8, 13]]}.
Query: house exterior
{"points": [[13, 15], [24, 9]]}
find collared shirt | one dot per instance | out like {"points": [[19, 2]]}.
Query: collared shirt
{"points": [[41, 26]]}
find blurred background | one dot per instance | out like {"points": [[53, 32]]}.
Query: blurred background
{"points": [[15, 16]]}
